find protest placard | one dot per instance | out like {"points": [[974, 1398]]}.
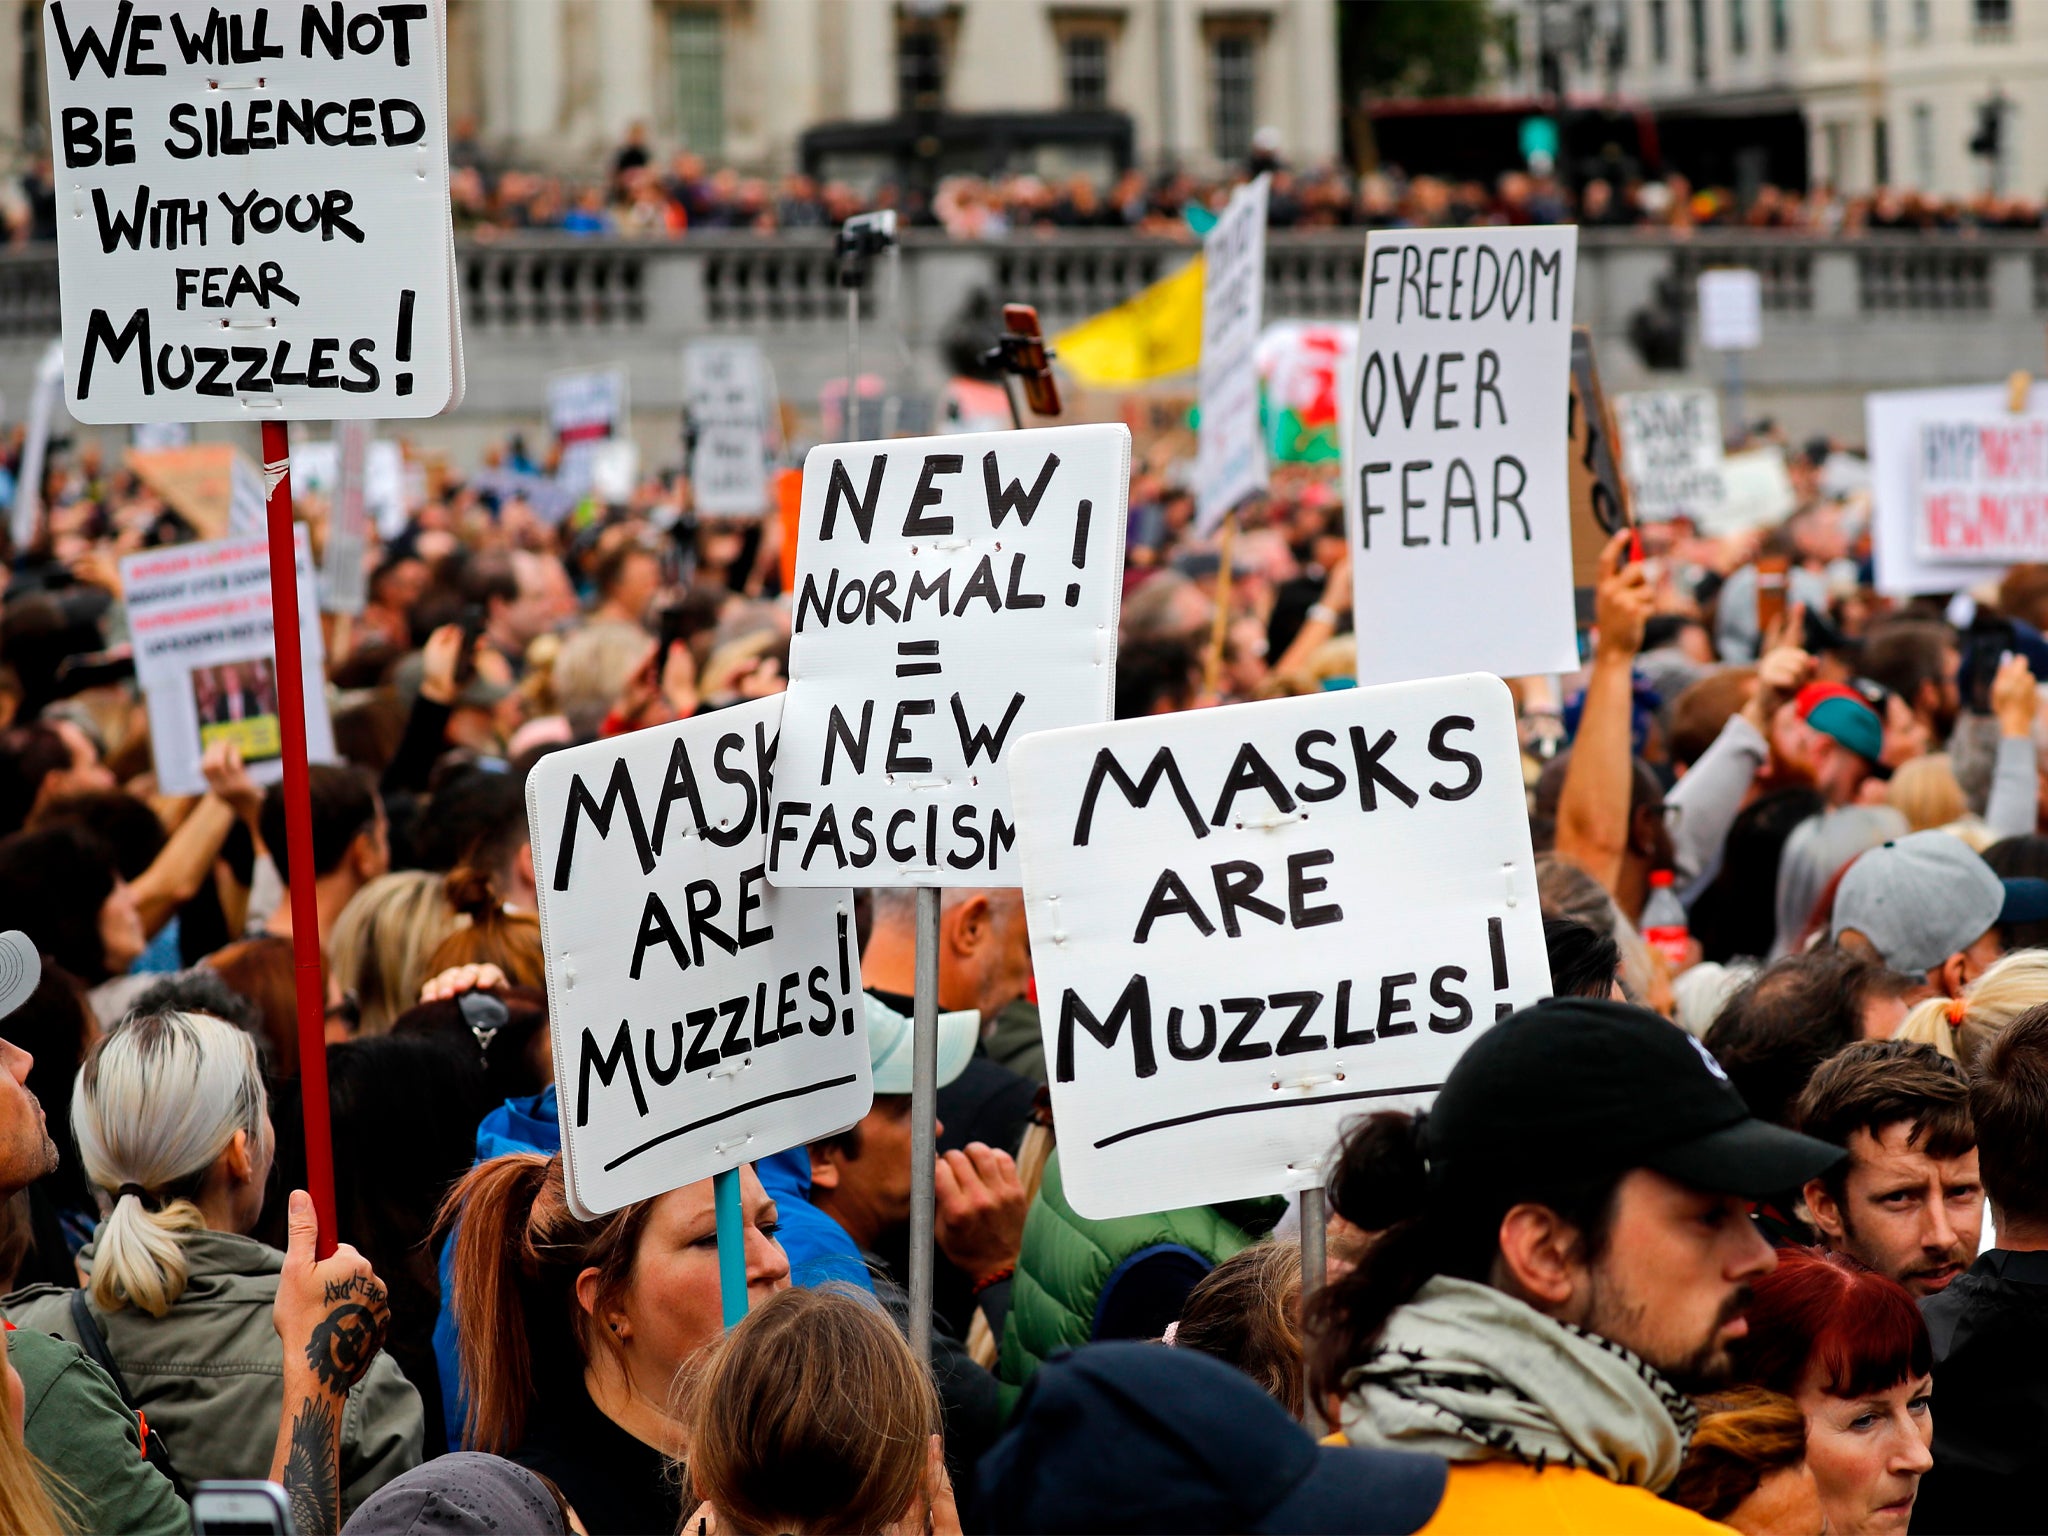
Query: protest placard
{"points": [[1981, 488], [1892, 423], [1230, 458], [1600, 502], [254, 216], [952, 595], [246, 501], [1731, 306], [726, 397], [701, 1018], [343, 579], [42, 410], [585, 409], [1251, 924], [199, 615], [1456, 488], [1671, 453], [316, 469]]}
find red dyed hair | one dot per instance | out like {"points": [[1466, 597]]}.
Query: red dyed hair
{"points": [[1861, 1329]]}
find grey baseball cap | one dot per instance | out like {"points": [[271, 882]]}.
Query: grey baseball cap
{"points": [[21, 968], [1919, 899]]}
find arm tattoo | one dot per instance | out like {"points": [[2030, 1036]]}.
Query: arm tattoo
{"points": [[311, 1471]]}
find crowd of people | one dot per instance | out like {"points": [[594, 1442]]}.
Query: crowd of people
{"points": [[1745, 1225], [640, 195]]}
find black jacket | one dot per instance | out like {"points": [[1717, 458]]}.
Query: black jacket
{"points": [[1990, 1335]]}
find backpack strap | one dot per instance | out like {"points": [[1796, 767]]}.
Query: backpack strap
{"points": [[94, 1343]]}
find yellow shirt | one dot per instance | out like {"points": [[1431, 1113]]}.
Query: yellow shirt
{"points": [[1505, 1498]]}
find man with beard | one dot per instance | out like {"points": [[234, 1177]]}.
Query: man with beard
{"points": [[1907, 1202], [1563, 1251]]}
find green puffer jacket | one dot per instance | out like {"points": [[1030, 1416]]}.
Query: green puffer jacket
{"points": [[1067, 1261], [209, 1373]]}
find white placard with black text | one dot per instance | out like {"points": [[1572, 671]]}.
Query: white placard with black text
{"points": [[701, 1018], [199, 615], [726, 395], [1731, 305], [1230, 455], [1251, 924], [953, 594], [1456, 486], [253, 214], [1671, 454]]}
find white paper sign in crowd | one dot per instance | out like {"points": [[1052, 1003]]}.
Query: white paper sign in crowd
{"points": [[726, 397], [254, 215], [953, 594], [1456, 488], [1731, 306], [1251, 924], [1230, 454], [1893, 420], [1671, 454], [701, 1018], [1981, 488], [343, 578], [199, 615], [586, 410]]}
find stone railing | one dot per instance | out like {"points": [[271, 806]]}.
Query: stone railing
{"points": [[1842, 316]]}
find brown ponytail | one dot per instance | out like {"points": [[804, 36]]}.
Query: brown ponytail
{"points": [[492, 935], [517, 1250]]}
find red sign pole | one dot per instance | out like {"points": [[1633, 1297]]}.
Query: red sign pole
{"points": [[298, 830]]}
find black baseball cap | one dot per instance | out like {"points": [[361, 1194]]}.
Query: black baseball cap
{"points": [[1584, 1087], [1147, 1437]]}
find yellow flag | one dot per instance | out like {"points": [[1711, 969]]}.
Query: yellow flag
{"points": [[1149, 336]]}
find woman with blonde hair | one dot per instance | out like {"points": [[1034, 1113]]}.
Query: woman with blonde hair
{"points": [[379, 949], [1925, 792], [813, 1415], [1962, 1028], [27, 1505], [172, 1124]]}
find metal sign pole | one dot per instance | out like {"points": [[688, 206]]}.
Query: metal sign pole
{"points": [[924, 1116], [1314, 1217]]}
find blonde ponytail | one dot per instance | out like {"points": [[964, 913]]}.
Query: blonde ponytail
{"points": [[1963, 1028], [1932, 1021], [160, 1098]]}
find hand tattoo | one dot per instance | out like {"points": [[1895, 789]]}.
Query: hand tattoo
{"points": [[344, 1342], [311, 1469]]}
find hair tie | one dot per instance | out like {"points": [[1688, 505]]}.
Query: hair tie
{"points": [[1958, 1010], [138, 1192]]}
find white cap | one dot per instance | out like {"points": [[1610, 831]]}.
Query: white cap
{"points": [[21, 968], [889, 1044]]}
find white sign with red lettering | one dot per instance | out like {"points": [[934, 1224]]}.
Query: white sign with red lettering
{"points": [[1981, 488], [199, 615]]}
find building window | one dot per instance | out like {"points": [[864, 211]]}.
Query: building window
{"points": [[1738, 27], [1084, 67], [1993, 18], [1233, 93], [1660, 33], [1923, 20], [1880, 151], [920, 66], [1923, 145], [696, 66], [1878, 20], [1781, 26], [1697, 10]]}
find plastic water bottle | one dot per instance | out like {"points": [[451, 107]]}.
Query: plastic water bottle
{"points": [[1664, 925]]}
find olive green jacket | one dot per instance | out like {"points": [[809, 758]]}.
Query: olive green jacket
{"points": [[210, 1372], [77, 1426]]}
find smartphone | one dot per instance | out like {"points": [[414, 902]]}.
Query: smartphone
{"points": [[473, 620], [227, 1508], [1986, 644], [94, 669], [1026, 354], [1771, 581]]}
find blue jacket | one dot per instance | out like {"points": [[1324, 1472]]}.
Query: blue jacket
{"points": [[818, 1247]]}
